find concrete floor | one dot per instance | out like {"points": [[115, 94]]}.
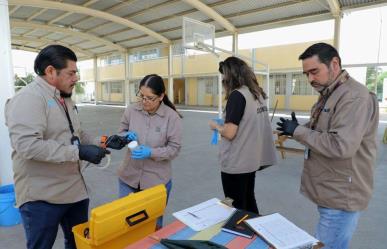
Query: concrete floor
{"points": [[196, 178]]}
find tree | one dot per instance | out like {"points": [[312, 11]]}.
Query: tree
{"points": [[23, 81], [20, 82], [79, 87], [375, 74]]}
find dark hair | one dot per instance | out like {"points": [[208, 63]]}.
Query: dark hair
{"points": [[54, 55], [237, 73], [156, 83], [324, 51]]}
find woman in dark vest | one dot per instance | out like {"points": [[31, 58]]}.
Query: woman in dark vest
{"points": [[247, 142]]}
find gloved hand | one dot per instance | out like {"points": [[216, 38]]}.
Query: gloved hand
{"points": [[214, 139], [131, 136], [141, 152], [92, 153], [117, 142], [287, 126]]}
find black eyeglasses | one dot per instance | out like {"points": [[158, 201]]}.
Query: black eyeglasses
{"points": [[145, 98]]}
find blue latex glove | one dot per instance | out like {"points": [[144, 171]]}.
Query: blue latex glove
{"points": [[214, 139], [141, 152], [131, 136]]}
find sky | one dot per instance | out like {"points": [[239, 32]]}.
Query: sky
{"points": [[363, 38]]}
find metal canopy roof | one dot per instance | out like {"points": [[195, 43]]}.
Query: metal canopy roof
{"points": [[96, 27]]}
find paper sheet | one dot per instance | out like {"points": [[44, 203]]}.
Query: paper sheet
{"points": [[280, 232], [205, 214]]}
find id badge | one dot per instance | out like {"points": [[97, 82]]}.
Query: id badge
{"points": [[306, 153], [75, 140]]}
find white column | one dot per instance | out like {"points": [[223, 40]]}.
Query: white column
{"points": [[7, 90], [235, 48], [95, 75], [336, 37], [170, 73], [127, 77]]}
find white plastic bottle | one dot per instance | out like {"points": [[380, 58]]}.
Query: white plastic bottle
{"points": [[132, 145]]}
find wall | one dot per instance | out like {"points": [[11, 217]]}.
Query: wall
{"points": [[109, 73], [87, 74], [282, 58], [192, 86], [302, 103], [141, 68]]}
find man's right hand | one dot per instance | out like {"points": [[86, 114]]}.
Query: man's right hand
{"points": [[92, 153]]}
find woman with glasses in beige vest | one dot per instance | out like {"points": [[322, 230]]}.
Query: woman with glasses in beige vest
{"points": [[247, 142]]}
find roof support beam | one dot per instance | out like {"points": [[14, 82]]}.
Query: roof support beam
{"points": [[111, 9], [247, 12], [69, 13], [14, 10], [163, 18], [334, 6], [91, 12], [53, 28], [212, 13], [153, 7], [19, 47], [36, 14], [48, 41]]}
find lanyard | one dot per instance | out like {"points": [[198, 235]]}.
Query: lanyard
{"points": [[62, 103]]}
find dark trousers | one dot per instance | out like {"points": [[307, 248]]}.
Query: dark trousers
{"points": [[41, 221], [240, 188]]}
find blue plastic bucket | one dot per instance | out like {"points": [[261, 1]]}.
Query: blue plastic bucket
{"points": [[9, 215]]}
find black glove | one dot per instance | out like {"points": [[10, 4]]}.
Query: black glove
{"points": [[92, 153], [117, 142], [287, 126]]}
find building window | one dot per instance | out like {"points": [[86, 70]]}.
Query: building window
{"points": [[111, 60], [116, 87], [210, 84], [178, 49], [145, 55], [279, 83], [301, 86]]}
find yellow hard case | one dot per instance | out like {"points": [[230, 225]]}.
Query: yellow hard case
{"points": [[120, 223]]}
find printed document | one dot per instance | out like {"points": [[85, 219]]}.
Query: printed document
{"points": [[280, 232], [205, 214]]}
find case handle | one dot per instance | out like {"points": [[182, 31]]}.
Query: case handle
{"points": [[136, 221]]}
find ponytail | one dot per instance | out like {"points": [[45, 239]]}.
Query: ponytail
{"points": [[167, 102]]}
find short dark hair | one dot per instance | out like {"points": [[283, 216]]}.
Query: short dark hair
{"points": [[54, 55], [324, 51]]}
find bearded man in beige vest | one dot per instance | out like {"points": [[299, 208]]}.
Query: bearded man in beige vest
{"points": [[340, 145]]}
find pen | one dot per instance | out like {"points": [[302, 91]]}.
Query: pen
{"points": [[194, 215], [242, 219]]}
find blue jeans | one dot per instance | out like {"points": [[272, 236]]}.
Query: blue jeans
{"points": [[336, 227], [124, 190], [42, 219]]}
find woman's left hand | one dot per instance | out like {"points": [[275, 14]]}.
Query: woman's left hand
{"points": [[141, 152], [212, 124]]}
